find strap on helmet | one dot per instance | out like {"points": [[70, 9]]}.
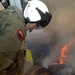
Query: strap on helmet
{"points": [[45, 18]]}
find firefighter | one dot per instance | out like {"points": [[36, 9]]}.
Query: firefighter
{"points": [[13, 27], [36, 13]]}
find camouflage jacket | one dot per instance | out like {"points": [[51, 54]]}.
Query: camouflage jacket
{"points": [[12, 34]]}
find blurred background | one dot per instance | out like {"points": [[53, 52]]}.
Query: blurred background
{"points": [[46, 44]]}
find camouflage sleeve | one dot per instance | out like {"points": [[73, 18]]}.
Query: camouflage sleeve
{"points": [[11, 37]]}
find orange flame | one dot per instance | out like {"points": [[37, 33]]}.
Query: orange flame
{"points": [[63, 55]]}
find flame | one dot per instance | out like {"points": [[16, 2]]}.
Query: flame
{"points": [[63, 55]]}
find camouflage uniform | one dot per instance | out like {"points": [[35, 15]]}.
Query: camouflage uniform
{"points": [[12, 34]]}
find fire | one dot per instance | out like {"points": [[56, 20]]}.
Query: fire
{"points": [[63, 55]]}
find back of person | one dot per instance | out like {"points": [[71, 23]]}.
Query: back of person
{"points": [[12, 33]]}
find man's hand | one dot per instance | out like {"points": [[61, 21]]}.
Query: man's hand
{"points": [[31, 26]]}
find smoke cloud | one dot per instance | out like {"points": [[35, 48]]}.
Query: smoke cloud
{"points": [[61, 30]]}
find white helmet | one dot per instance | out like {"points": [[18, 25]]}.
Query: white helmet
{"points": [[37, 11]]}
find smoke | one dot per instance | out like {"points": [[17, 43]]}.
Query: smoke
{"points": [[61, 30], [64, 69]]}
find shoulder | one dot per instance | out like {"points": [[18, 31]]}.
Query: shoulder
{"points": [[17, 11]]}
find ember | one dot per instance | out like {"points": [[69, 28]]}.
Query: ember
{"points": [[61, 69]]}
